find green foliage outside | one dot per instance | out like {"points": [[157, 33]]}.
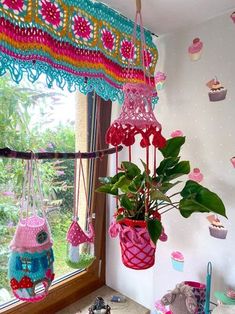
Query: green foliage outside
{"points": [[26, 115]]}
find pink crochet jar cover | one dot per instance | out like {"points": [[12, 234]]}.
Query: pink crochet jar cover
{"points": [[136, 117], [27, 232]]}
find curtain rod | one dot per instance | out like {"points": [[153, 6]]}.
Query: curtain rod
{"points": [[8, 153]]}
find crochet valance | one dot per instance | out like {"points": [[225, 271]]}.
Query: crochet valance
{"points": [[78, 43]]}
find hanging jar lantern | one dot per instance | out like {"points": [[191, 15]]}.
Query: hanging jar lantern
{"points": [[31, 260], [80, 244]]}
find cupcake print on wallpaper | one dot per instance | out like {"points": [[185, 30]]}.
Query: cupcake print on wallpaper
{"points": [[217, 91], [217, 230], [177, 260], [195, 49]]}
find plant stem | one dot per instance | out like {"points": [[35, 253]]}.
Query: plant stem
{"points": [[174, 194], [172, 206]]}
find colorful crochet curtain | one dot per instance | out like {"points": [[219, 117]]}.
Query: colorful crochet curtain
{"points": [[81, 43]]}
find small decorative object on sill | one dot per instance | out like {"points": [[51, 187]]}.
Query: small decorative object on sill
{"points": [[217, 91], [31, 260], [177, 259], [196, 175], [80, 253], [99, 307], [233, 161], [195, 49], [233, 17], [217, 230], [160, 79]]}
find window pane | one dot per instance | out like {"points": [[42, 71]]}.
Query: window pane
{"points": [[33, 117]]}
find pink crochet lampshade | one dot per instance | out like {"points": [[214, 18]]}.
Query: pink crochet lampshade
{"points": [[136, 117]]}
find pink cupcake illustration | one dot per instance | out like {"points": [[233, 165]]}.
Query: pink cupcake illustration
{"points": [[195, 49], [177, 260], [196, 175]]}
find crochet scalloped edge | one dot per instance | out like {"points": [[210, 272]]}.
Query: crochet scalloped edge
{"points": [[19, 70]]}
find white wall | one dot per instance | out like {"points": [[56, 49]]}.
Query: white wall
{"points": [[210, 143]]}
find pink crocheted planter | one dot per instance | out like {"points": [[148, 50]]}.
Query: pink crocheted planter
{"points": [[138, 252], [32, 235]]}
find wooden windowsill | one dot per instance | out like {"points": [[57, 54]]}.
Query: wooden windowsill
{"points": [[106, 293]]}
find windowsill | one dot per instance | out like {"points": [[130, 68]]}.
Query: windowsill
{"points": [[106, 293]]}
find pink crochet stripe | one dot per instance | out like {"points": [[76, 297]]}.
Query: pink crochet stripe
{"points": [[31, 250], [39, 37], [58, 66]]}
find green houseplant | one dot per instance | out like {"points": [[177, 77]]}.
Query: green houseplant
{"points": [[144, 197]]}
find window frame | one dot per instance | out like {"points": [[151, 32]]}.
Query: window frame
{"points": [[69, 290]]}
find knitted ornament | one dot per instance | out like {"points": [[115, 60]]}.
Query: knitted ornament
{"points": [[80, 248], [31, 260]]}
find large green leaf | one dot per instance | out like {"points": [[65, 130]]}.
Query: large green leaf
{"points": [[197, 198], [167, 163], [116, 177], [190, 189], [158, 195], [136, 183], [109, 180], [166, 186], [131, 169], [173, 146], [126, 203], [182, 168], [155, 229], [107, 188], [105, 180], [122, 184]]}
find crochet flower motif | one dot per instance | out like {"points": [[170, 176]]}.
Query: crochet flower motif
{"points": [[82, 27], [127, 50], [148, 58], [15, 5], [108, 39], [51, 13]]}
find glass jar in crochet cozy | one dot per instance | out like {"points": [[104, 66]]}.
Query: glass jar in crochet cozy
{"points": [[31, 259]]}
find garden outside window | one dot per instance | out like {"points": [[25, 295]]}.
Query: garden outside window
{"points": [[33, 117]]}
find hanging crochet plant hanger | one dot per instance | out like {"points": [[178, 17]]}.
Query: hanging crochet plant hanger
{"points": [[80, 244], [136, 119], [31, 259]]}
